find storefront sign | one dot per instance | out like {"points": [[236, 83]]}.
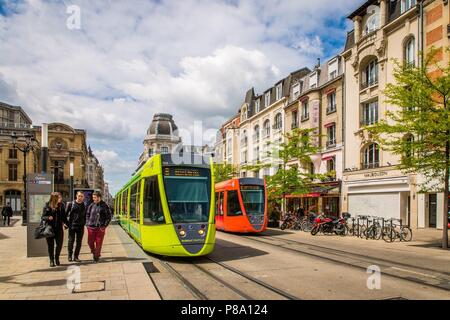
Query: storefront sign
{"points": [[376, 174]]}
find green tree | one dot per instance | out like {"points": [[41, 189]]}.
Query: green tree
{"points": [[224, 171], [418, 130]]}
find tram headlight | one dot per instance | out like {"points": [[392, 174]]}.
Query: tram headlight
{"points": [[201, 232], [182, 233]]}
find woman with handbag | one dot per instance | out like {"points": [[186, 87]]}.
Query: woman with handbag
{"points": [[54, 214]]}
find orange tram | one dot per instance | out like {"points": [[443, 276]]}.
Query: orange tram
{"points": [[241, 205]]}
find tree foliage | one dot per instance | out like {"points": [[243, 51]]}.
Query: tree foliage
{"points": [[224, 171]]}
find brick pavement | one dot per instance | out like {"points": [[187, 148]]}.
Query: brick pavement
{"points": [[119, 276]]}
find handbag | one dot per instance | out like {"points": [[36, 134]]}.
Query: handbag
{"points": [[44, 230]]}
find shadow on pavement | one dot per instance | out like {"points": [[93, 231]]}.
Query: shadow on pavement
{"points": [[12, 223]]}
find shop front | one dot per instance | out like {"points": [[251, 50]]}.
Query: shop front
{"points": [[323, 198]]}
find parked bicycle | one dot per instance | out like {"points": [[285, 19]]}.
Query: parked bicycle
{"points": [[393, 231]]}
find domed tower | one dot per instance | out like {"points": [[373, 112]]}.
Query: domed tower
{"points": [[162, 136]]}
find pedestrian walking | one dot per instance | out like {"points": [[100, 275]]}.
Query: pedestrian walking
{"points": [[76, 219], [98, 217], [55, 216], [7, 213]]}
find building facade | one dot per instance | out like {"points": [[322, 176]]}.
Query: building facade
{"points": [[13, 121], [66, 145], [162, 137], [94, 172], [384, 30], [316, 102]]}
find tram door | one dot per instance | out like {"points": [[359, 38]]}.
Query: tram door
{"points": [[219, 209]]}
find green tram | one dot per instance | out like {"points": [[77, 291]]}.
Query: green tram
{"points": [[168, 208]]}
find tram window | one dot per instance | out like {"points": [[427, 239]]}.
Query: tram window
{"points": [[222, 194], [217, 203], [153, 212], [134, 196], [233, 206], [125, 203]]}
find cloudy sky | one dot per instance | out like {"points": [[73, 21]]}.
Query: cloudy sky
{"points": [[129, 59]]}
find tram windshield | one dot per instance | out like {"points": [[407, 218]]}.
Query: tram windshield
{"points": [[188, 194], [253, 198]]}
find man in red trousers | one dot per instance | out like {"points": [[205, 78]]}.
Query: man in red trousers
{"points": [[98, 217]]}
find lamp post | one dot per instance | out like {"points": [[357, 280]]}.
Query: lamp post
{"points": [[25, 149]]}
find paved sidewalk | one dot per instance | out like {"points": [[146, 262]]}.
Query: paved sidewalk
{"points": [[119, 276]]}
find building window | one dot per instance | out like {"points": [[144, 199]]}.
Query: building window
{"points": [[371, 157], [278, 122], [373, 23], [150, 152], [256, 154], [266, 128], [58, 170], [331, 102], [244, 114], [13, 153], [294, 123], [12, 172], [331, 136], [296, 91], [313, 80], [229, 147], [369, 113], [267, 99], [305, 110], [410, 55], [164, 150], [406, 5], [244, 139], [153, 212], [244, 157], [370, 74], [257, 105], [256, 133], [279, 91], [409, 152], [312, 169]]}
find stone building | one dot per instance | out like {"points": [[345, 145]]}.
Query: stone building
{"points": [[384, 30], [13, 120], [315, 101], [66, 145], [162, 137], [94, 173]]}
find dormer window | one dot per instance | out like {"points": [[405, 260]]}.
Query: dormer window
{"points": [[279, 91], [406, 5], [333, 69], [373, 21], [296, 91], [313, 80], [267, 99], [257, 105], [244, 114]]}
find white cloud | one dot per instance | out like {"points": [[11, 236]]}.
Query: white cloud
{"points": [[192, 58]]}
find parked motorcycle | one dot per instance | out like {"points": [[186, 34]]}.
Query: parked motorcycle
{"points": [[328, 225]]}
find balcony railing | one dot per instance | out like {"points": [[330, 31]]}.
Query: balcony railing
{"points": [[370, 165], [366, 84]]}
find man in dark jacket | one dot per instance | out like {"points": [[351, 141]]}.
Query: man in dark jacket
{"points": [[7, 213], [76, 217], [98, 217]]}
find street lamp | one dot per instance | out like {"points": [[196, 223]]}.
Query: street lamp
{"points": [[25, 149]]}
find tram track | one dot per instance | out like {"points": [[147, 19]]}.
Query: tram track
{"points": [[198, 294], [358, 261]]}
